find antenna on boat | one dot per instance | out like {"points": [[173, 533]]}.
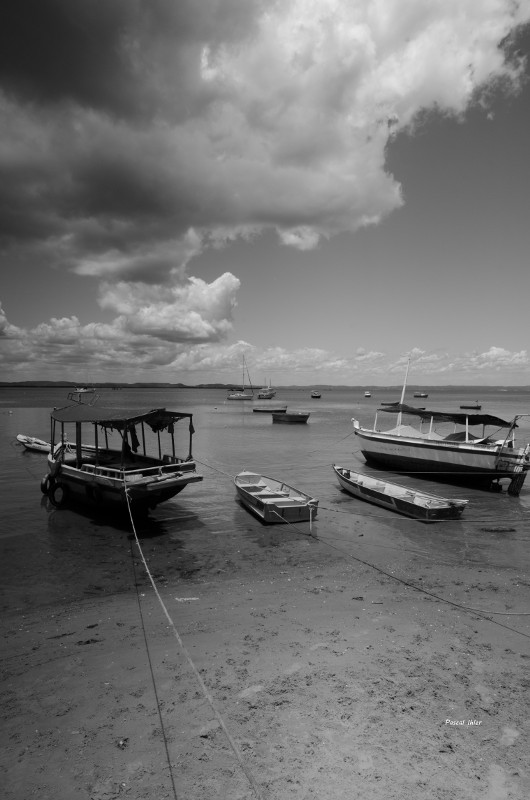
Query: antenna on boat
{"points": [[403, 392]]}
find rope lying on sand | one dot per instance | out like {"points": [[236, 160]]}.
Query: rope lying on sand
{"points": [[194, 669]]}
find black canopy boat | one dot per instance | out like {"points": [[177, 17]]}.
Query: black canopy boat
{"points": [[139, 467]]}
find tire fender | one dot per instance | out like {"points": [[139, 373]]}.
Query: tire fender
{"points": [[47, 484], [58, 495]]}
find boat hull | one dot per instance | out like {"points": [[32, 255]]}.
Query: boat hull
{"points": [[33, 444], [291, 418], [108, 488], [393, 496], [274, 502]]}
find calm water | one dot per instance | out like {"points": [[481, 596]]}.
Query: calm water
{"points": [[53, 556]]}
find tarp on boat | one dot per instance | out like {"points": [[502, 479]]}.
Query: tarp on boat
{"points": [[157, 418], [442, 416]]}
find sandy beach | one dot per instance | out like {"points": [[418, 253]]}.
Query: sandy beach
{"points": [[290, 669]]}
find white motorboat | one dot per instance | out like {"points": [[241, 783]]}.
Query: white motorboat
{"points": [[447, 448]]}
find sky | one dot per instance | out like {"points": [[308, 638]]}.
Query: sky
{"points": [[327, 188]]}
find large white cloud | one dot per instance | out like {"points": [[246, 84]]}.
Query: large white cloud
{"points": [[225, 115]]}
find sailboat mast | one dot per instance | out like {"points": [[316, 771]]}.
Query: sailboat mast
{"points": [[403, 392]]}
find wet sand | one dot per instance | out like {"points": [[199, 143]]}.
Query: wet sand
{"points": [[291, 668]]}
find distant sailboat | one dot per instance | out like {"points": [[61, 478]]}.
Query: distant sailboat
{"points": [[266, 392], [242, 395]]}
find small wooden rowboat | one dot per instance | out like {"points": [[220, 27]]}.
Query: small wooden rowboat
{"points": [[411, 502], [34, 444], [270, 409], [274, 501], [291, 417]]}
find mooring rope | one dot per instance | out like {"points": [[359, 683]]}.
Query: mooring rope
{"points": [[206, 693], [481, 613], [153, 680]]}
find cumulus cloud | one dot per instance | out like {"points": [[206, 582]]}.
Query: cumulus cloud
{"points": [[494, 359], [130, 123], [194, 311], [156, 346]]}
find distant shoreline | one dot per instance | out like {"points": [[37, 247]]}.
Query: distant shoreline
{"points": [[470, 388]]}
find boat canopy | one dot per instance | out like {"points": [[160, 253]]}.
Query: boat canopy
{"points": [[442, 416], [158, 419]]}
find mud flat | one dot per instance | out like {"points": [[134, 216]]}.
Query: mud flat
{"points": [[290, 669]]}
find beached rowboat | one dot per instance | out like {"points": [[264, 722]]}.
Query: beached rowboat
{"points": [[274, 501], [404, 500]]}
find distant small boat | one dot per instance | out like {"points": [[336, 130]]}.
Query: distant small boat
{"points": [[34, 444], [270, 409], [82, 394], [368, 394], [390, 403], [316, 395], [473, 406], [291, 418], [274, 501], [404, 500], [420, 394]]}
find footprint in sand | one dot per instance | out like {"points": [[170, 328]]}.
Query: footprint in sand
{"points": [[365, 760], [509, 735], [292, 669], [497, 789], [251, 690], [485, 694]]}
